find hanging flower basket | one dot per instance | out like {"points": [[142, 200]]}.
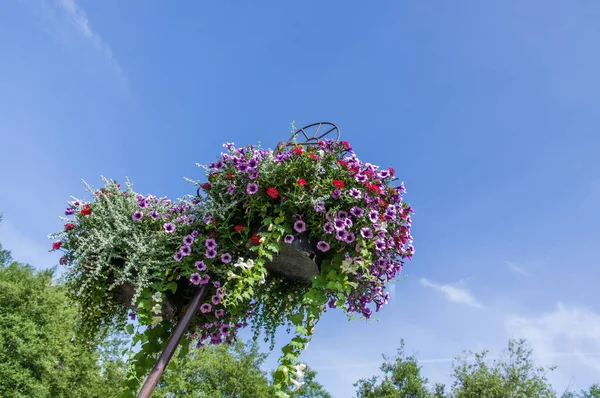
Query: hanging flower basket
{"points": [[278, 236]]}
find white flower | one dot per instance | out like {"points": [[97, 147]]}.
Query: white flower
{"points": [[231, 275], [296, 384], [156, 309], [157, 297]]}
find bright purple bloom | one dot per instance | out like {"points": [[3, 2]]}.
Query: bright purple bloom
{"points": [[216, 300], [350, 237], [185, 250], [224, 329], [168, 227], [361, 178], [341, 235], [373, 215], [210, 253], [200, 266], [137, 216], [195, 234], [178, 256], [339, 224], [319, 207], [226, 258], [253, 174], [355, 193], [366, 233], [288, 239], [252, 163], [328, 227], [154, 214], [195, 278], [380, 244], [188, 240], [204, 308], [242, 167], [357, 211], [300, 226], [336, 193], [323, 246], [231, 189], [217, 284], [205, 280], [384, 174], [252, 188], [219, 313], [348, 222], [342, 214], [70, 211], [210, 243], [208, 219]]}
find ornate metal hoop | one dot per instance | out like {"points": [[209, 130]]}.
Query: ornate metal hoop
{"points": [[317, 135]]}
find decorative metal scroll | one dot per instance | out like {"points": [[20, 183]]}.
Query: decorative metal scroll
{"points": [[313, 133]]}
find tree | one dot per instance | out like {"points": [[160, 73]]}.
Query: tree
{"points": [[5, 257], [402, 379], [39, 356], [513, 376]]}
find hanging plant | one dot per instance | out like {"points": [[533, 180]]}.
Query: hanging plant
{"points": [[278, 236]]}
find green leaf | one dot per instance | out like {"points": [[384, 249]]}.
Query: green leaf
{"points": [[129, 329]]}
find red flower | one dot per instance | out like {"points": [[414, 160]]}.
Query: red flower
{"points": [[338, 184], [69, 227], [313, 156], [346, 144], [205, 186], [255, 238], [213, 234], [301, 181], [272, 192], [343, 163], [86, 211], [354, 170], [392, 171], [298, 150], [56, 245], [238, 228]]}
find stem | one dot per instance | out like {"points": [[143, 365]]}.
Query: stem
{"points": [[165, 356]]}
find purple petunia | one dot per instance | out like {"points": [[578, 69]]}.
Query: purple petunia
{"points": [[252, 163], [380, 244], [169, 227], [242, 167], [342, 214], [336, 193], [328, 227], [200, 266], [319, 207], [350, 237], [208, 219], [70, 211], [210, 243], [355, 193], [224, 329], [195, 278], [226, 258], [339, 224], [185, 250], [373, 215], [288, 239], [357, 211], [219, 313], [205, 280], [204, 308], [252, 188], [188, 240], [137, 216], [178, 256], [231, 189], [253, 174], [348, 222], [210, 253], [341, 235], [195, 234], [300, 226], [323, 246], [154, 214], [366, 233], [216, 299]]}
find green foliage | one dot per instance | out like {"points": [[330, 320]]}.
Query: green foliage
{"points": [[5, 257], [513, 376], [38, 355], [402, 379]]}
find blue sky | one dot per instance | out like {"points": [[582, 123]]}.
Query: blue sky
{"points": [[487, 110]]}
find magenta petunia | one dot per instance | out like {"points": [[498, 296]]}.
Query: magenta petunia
{"points": [[195, 278], [137, 216], [323, 246], [226, 258], [210, 253], [169, 227], [288, 239], [200, 266], [252, 188], [210, 243]]}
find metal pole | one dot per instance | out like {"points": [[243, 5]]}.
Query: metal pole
{"points": [[165, 356]]}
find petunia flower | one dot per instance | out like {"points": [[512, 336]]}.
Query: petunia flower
{"points": [[357, 211], [188, 240], [300, 226], [328, 227], [323, 246], [70, 211], [185, 250], [200, 266], [210, 243], [339, 224], [336, 193], [252, 188], [204, 308], [168, 227], [210, 253], [195, 278], [226, 258], [288, 239]]}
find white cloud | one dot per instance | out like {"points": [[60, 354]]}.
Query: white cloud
{"points": [[453, 293], [516, 269], [77, 17]]}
